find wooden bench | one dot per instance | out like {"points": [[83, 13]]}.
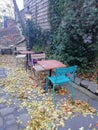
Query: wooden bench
{"points": [[20, 57], [18, 49], [38, 56], [35, 66], [38, 68]]}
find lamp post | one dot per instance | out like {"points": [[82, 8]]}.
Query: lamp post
{"points": [[28, 16]]}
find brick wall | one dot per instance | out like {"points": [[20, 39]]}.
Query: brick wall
{"points": [[39, 9]]}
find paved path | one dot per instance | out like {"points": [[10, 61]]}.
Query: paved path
{"points": [[2, 73], [80, 122], [11, 116], [14, 118]]}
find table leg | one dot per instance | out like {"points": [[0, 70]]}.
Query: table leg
{"points": [[26, 62], [28, 58], [50, 72]]}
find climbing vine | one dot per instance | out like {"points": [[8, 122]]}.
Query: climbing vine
{"points": [[56, 13], [37, 37]]}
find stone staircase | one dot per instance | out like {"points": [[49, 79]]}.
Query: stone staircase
{"points": [[9, 38]]}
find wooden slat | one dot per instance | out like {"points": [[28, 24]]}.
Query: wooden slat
{"points": [[38, 56], [20, 56], [20, 48], [51, 64], [38, 68]]}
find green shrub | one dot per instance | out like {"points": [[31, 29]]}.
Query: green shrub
{"points": [[37, 36], [75, 39]]}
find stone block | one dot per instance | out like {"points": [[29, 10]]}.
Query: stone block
{"points": [[3, 106], [6, 51], [1, 122], [7, 110], [10, 119], [24, 118], [85, 83], [93, 87], [12, 127], [78, 80], [97, 91], [2, 73]]}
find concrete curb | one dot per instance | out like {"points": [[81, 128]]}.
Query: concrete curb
{"points": [[87, 85], [86, 91]]}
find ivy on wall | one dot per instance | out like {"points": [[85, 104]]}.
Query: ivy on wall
{"points": [[37, 37], [56, 13]]}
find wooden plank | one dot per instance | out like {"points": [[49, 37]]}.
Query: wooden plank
{"points": [[20, 48], [38, 68], [20, 56], [38, 56], [51, 64]]}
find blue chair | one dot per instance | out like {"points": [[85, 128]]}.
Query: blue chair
{"points": [[63, 75]]}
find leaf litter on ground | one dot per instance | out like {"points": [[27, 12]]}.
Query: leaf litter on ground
{"points": [[39, 105]]}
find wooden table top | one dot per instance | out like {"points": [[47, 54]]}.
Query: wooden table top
{"points": [[51, 64], [26, 52]]}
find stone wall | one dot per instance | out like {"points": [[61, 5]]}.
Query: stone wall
{"points": [[9, 36], [39, 9]]}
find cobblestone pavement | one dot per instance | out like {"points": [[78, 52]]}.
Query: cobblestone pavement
{"points": [[80, 122], [12, 117], [2, 73]]}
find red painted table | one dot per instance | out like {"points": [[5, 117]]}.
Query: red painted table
{"points": [[51, 64]]}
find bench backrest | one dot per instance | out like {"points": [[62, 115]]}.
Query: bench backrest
{"points": [[38, 56], [20, 48]]}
